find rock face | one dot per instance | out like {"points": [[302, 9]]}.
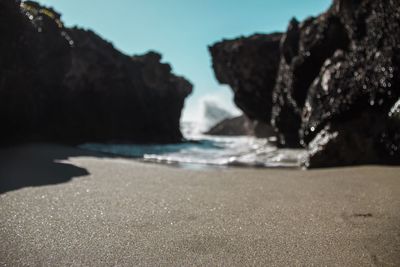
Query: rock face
{"points": [[241, 64], [69, 85], [357, 87], [336, 84], [310, 44]]}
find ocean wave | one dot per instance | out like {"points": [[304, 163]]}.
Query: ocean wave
{"points": [[202, 150]]}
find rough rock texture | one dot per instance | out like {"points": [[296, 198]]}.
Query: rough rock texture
{"points": [[347, 143], [240, 63], [357, 87], [241, 125], [336, 85], [310, 44], [69, 85]]}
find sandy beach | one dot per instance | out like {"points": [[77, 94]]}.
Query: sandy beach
{"points": [[64, 206]]}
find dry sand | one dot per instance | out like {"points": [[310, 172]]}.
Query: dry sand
{"points": [[64, 206]]}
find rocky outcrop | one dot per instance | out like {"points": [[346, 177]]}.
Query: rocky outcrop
{"points": [[357, 86], [310, 44], [336, 85], [132, 96], [70, 85], [240, 63]]}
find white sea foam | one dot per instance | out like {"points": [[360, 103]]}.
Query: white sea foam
{"points": [[211, 114], [203, 150]]}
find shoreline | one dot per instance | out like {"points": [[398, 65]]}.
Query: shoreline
{"points": [[70, 206]]}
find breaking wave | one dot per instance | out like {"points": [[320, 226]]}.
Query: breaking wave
{"points": [[202, 150]]}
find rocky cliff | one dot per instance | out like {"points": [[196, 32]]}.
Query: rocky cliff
{"points": [[70, 85], [331, 86]]}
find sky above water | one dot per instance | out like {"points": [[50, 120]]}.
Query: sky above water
{"points": [[181, 30]]}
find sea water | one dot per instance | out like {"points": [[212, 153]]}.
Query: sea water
{"points": [[203, 150]]}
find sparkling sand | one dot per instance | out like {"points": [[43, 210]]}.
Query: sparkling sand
{"points": [[64, 206]]}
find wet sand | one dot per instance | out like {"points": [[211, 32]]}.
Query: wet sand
{"points": [[64, 206]]}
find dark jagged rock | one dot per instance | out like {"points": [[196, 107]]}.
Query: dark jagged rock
{"points": [[69, 85], [347, 143], [133, 98], [337, 81], [241, 63], [365, 138], [317, 39], [357, 87]]}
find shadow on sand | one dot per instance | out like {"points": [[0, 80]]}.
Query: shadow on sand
{"points": [[37, 165]]}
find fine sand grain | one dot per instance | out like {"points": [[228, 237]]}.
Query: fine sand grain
{"points": [[64, 206]]}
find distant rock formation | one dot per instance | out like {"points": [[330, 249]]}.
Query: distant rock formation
{"points": [[212, 114], [241, 125], [70, 85], [231, 127], [335, 86]]}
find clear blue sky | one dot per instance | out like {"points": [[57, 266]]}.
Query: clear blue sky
{"points": [[182, 29]]}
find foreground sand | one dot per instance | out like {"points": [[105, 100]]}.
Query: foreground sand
{"points": [[121, 212]]}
